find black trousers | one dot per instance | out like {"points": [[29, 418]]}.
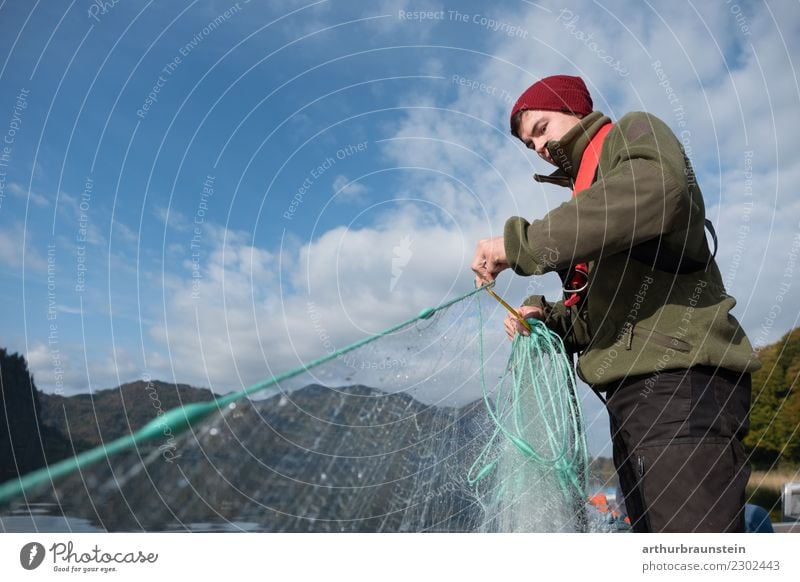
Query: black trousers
{"points": [[677, 440]]}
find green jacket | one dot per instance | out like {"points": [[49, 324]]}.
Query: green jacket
{"points": [[634, 319]]}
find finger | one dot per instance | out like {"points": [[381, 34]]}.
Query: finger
{"points": [[511, 324], [481, 266], [478, 262], [512, 328], [509, 327], [494, 267], [490, 268]]}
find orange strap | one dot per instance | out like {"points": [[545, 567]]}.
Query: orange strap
{"points": [[578, 279], [590, 159]]}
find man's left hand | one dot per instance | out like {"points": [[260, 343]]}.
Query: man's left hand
{"points": [[490, 260]]}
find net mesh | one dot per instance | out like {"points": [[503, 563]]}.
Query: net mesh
{"points": [[432, 427]]}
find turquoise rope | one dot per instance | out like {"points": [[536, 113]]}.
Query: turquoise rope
{"points": [[556, 403], [181, 418]]}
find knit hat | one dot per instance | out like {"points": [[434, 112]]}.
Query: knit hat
{"points": [[556, 93]]}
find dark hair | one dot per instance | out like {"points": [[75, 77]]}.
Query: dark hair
{"points": [[515, 121]]}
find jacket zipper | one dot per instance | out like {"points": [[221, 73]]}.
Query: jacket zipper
{"points": [[628, 334], [641, 492]]}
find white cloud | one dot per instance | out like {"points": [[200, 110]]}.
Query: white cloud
{"points": [[83, 214], [20, 191], [11, 249], [239, 321], [348, 191], [172, 218], [67, 368], [124, 233]]}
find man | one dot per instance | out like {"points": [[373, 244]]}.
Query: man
{"points": [[645, 307]]}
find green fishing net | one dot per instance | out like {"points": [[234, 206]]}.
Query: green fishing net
{"points": [[438, 424]]}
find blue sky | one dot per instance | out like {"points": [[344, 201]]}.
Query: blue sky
{"points": [[195, 173]]}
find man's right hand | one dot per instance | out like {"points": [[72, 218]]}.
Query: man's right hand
{"points": [[513, 325]]}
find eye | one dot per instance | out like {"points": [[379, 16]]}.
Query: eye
{"points": [[543, 129]]}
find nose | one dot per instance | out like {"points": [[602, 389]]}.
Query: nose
{"points": [[539, 147]]}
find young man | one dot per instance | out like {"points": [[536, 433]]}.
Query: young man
{"points": [[645, 307]]}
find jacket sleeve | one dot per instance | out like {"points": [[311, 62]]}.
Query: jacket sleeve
{"points": [[643, 194], [565, 321]]}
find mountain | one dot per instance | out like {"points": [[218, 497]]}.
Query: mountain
{"points": [[38, 427], [348, 458], [89, 419]]}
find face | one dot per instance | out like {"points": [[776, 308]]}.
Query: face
{"points": [[536, 128]]}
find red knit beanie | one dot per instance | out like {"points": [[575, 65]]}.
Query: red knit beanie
{"points": [[556, 93]]}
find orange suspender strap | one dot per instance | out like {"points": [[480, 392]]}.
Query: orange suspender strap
{"points": [[578, 279]]}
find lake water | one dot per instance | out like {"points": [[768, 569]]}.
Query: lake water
{"points": [[45, 518]]}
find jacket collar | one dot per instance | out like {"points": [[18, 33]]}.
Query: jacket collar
{"points": [[568, 150]]}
